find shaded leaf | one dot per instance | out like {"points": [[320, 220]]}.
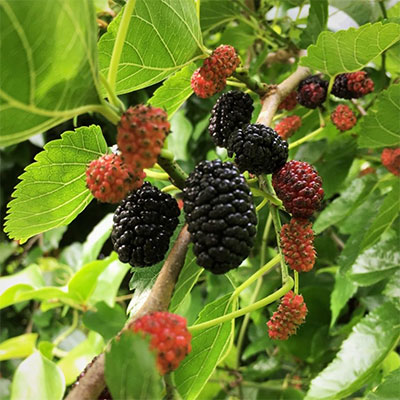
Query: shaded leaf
{"points": [[370, 342], [392, 288], [37, 378], [45, 82], [130, 369], [53, 191], [362, 13], [105, 320], [350, 50], [378, 128], [18, 347], [208, 346], [387, 214], [215, 13], [316, 22], [174, 91], [388, 389], [169, 27]]}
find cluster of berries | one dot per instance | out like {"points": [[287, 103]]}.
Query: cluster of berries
{"points": [[210, 78], [141, 133]]}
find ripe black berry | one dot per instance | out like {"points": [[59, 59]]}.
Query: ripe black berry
{"points": [[311, 92], [143, 225], [231, 111], [258, 148], [220, 215], [352, 85]]}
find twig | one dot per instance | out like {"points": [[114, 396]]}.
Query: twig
{"points": [[92, 383], [359, 107], [272, 100]]}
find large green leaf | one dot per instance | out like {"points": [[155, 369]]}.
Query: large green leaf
{"points": [[316, 22], [187, 279], [362, 11], [392, 288], [344, 205], [130, 369], [18, 347], [379, 128], [214, 13], [388, 212], [376, 263], [174, 91], [49, 65], [53, 191], [37, 378], [370, 342], [350, 50], [163, 37], [208, 346], [388, 389]]}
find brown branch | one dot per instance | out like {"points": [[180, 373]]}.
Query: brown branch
{"points": [[92, 383], [272, 100]]}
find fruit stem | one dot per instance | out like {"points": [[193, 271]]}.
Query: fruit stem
{"points": [[108, 112], [255, 306], [262, 204], [246, 319], [296, 282], [111, 94], [277, 225], [243, 76], [119, 44], [306, 138], [156, 175], [169, 188], [172, 393], [272, 199], [270, 264], [176, 174]]}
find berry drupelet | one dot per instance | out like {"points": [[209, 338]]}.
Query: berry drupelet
{"points": [[170, 338], [143, 225], [220, 215], [297, 242], [311, 92], [231, 111], [258, 149], [299, 187]]}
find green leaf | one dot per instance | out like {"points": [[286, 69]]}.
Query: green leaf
{"points": [[388, 212], [376, 263], [130, 369], [83, 283], [18, 347], [181, 131], [350, 50], [105, 320], [316, 22], [388, 389], [96, 238], [174, 91], [361, 11], [370, 342], [53, 191], [342, 292], [214, 13], [170, 28], [392, 288], [240, 36], [37, 378], [344, 205], [81, 355], [108, 283], [378, 128], [49, 68], [208, 346], [187, 279]]}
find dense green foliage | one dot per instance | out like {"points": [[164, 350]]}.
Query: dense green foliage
{"points": [[63, 292]]}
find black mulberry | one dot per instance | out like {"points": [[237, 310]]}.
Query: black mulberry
{"points": [[311, 92], [231, 111], [352, 85], [259, 149], [220, 215], [143, 225]]}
